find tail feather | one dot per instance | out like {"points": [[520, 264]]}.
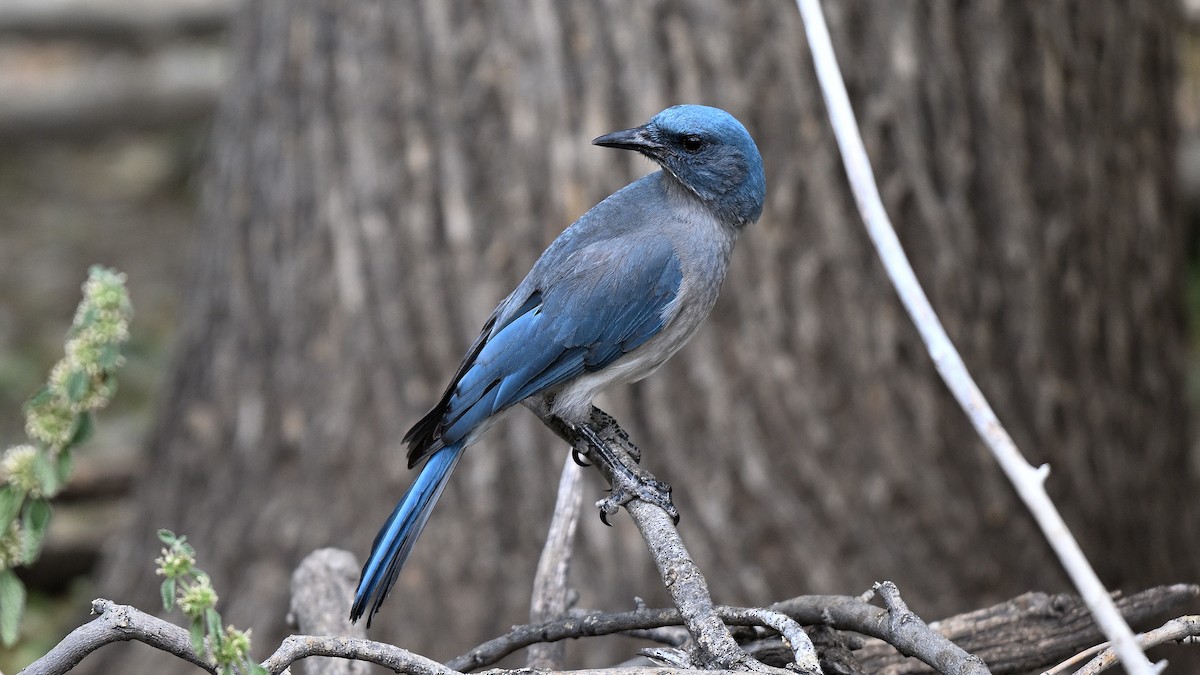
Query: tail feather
{"points": [[395, 539]]}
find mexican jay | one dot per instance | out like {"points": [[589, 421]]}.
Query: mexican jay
{"points": [[614, 296]]}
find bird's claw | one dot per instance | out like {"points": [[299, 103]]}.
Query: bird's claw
{"points": [[607, 508], [651, 491], [579, 457]]}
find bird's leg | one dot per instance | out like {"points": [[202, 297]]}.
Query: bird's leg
{"points": [[629, 480], [613, 432]]}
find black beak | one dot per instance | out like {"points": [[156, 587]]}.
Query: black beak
{"points": [[642, 139]]}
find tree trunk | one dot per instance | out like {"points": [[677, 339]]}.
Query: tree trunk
{"points": [[384, 172]]}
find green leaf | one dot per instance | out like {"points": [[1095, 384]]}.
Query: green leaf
{"points": [[76, 385], [227, 670], [11, 500], [167, 537], [87, 318], [214, 627], [168, 594], [257, 669], [84, 425], [12, 605], [109, 357], [34, 520], [46, 473], [196, 632], [42, 397], [62, 466]]}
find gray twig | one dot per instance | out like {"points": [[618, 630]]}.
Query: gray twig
{"points": [[791, 631], [585, 625], [1056, 624], [1028, 632], [550, 591], [321, 585], [594, 624], [912, 636], [896, 625], [298, 647], [116, 623], [1175, 630], [713, 646]]}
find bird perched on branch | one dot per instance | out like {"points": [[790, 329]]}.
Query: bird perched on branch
{"points": [[614, 296]]}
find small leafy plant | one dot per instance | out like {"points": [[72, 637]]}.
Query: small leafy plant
{"points": [[57, 418], [188, 587]]}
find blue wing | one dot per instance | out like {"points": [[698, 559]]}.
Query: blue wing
{"points": [[601, 306]]}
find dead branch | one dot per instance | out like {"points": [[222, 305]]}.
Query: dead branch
{"points": [[713, 645], [297, 647], [116, 623], [1175, 630], [843, 612], [1030, 631], [320, 586], [551, 594]]}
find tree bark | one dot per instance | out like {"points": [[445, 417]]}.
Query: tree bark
{"points": [[383, 172]]}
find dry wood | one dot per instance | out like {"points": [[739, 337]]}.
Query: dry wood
{"points": [[551, 591], [1031, 631], [320, 586]]}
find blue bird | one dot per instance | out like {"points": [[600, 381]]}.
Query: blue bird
{"points": [[611, 299]]}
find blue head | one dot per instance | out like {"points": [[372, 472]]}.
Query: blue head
{"points": [[709, 152]]}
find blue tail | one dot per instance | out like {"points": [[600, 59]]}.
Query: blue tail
{"points": [[395, 539]]}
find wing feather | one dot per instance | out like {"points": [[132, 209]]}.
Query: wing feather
{"points": [[581, 321]]}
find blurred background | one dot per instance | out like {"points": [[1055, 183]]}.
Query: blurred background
{"points": [[317, 203]]}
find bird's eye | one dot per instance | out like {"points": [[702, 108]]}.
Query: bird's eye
{"points": [[692, 143]]}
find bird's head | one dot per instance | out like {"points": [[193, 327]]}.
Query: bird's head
{"points": [[708, 151]]}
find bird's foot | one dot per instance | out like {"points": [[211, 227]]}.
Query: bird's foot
{"points": [[629, 481], [647, 489]]}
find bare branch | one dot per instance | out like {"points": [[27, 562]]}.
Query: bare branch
{"points": [[1017, 636], [550, 591], [1027, 480], [1053, 624], [116, 623], [896, 625], [802, 648], [913, 637], [843, 612], [575, 626], [1172, 631], [714, 646], [321, 587], [1030, 631], [1035, 629], [298, 647]]}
